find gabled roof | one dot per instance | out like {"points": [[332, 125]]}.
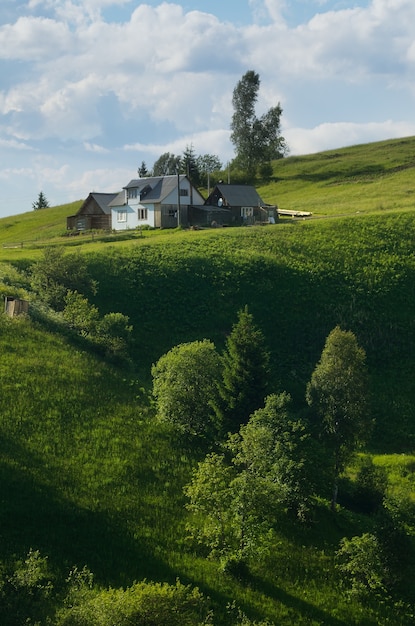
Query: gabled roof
{"points": [[103, 201], [239, 195], [159, 187]]}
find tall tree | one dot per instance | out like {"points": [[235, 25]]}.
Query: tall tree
{"points": [[245, 375], [190, 166], [167, 164], [41, 202], [338, 393], [256, 140]]}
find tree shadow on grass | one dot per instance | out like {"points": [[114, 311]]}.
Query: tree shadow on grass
{"points": [[33, 515]]}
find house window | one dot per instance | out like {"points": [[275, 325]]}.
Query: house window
{"points": [[142, 214], [121, 215], [132, 193], [247, 211], [184, 192]]}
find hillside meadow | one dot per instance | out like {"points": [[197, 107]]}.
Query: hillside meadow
{"points": [[89, 477]]}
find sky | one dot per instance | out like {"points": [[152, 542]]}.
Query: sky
{"points": [[89, 89]]}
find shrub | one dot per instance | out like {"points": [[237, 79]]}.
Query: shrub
{"points": [[361, 564], [142, 604]]}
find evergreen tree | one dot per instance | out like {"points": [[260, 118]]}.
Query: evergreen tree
{"points": [[245, 373], [190, 165], [142, 170], [41, 202]]}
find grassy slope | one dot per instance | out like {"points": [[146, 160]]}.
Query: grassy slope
{"points": [[86, 478], [368, 177]]}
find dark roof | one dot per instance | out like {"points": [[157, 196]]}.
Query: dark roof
{"points": [[160, 187], [103, 200], [240, 195]]}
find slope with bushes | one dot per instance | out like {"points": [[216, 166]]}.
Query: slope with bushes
{"points": [[90, 478]]}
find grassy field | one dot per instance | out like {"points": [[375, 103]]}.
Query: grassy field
{"points": [[88, 477]]}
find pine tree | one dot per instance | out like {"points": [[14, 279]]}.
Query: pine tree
{"points": [[245, 373], [41, 202]]}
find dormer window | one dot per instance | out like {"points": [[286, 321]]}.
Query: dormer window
{"points": [[132, 193]]}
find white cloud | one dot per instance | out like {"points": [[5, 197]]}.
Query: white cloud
{"points": [[340, 134], [92, 93]]}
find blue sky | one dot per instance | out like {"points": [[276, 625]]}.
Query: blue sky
{"points": [[91, 88]]}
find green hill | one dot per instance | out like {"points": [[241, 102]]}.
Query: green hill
{"points": [[88, 477]]}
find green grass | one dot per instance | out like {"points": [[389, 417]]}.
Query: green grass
{"points": [[88, 476], [365, 178]]}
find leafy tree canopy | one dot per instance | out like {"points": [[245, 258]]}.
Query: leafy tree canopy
{"points": [[167, 164], [338, 394], [257, 140], [57, 273], [185, 386]]}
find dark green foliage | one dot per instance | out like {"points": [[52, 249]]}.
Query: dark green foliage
{"points": [[338, 394], [361, 564], [256, 140], [206, 165], [25, 591], [245, 373], [41, 202], [57, 273], [142, 170], [371, 485], [275, 446], [167, 165], [237, 500], [185, 386], [190, 165]]}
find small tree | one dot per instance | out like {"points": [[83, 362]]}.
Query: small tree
{"points": [[210, 501], [57, 273], [207, 164], [185, 386], [277, 449], [80, 314], [245, 374], [189, 165], [41, 202], [360, 562], [338, 393], [142, 170]]}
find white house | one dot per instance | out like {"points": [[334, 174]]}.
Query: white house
{"points": [[157, 201]]}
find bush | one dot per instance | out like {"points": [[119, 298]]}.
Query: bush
{"points": [[143, 604], [361, 565]]}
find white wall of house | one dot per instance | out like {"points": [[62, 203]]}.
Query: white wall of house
{"points": [[135, 214], [131, 216]]}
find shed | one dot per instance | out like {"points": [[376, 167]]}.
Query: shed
{"points": [[15, 306], [243, 201], [95, 213]]}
